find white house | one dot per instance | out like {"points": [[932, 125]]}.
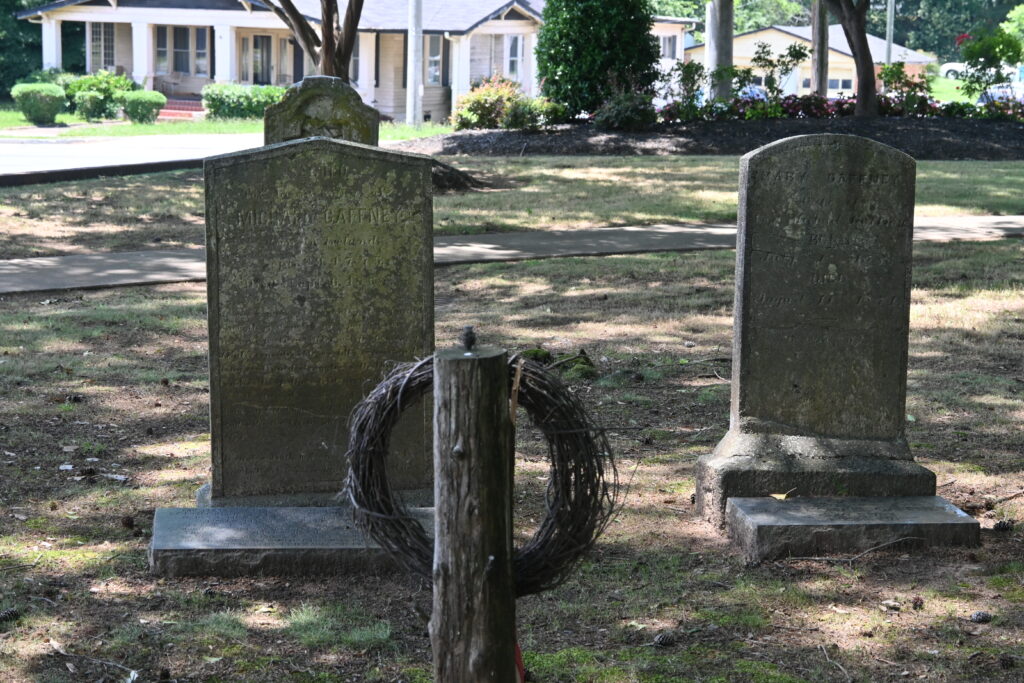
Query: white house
{"points": [[178, 46]]}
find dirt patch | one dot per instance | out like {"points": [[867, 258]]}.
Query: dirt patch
{"points": [[933, 138]]}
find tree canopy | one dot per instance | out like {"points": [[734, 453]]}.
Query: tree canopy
{"points": [[22, 45], [588, 50], [933, 25]]}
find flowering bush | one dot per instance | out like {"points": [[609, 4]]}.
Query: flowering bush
{"points": [[486, 104], [811, 106]]}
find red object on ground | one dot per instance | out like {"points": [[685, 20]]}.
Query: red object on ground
{"points": [[520, 667]]}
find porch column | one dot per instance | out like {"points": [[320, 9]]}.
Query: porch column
{"points": [[225, 45], [530, 83], [142, 54], [52, 56], [367, 67], [460, 67]]}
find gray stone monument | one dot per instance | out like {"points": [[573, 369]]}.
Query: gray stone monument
{"points": [[321, 106], [820, 330], [320, 273]]}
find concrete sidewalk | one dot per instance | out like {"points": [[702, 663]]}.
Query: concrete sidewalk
{"points": [[85, 271]]}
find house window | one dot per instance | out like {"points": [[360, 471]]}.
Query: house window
{"points": [[757, 80], [668, 47], [284, 76], [515, 56], [833, 84], [353, 63], [807, 83], [243, 72], [847, 84], [102, 46], [433, 61], [202, 56], [182, 50], [161, 49]]}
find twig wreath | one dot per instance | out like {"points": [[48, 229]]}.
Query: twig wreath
{"points": [[582, 489]]}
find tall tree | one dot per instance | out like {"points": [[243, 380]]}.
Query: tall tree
{"points": [[852, 16], [331, 49], [21, 43], [587, 50]]}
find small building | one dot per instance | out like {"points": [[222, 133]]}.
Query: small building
{"points": [[842, 71], [178, 46]]}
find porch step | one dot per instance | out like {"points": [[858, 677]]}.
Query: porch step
{"points": [[180, 104]]}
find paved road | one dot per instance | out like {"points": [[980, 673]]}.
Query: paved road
{"points": [[19, 155], [183, 265]]}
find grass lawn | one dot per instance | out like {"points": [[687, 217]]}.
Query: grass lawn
{"points": [[533, 193], [10, 117], [114, 382], [948, 90]]}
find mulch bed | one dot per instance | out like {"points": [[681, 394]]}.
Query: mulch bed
{"points": [[931, 138]]}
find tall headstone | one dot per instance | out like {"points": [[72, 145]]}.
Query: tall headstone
{"points": [[821, 324], [321, 106], [320, 272]]}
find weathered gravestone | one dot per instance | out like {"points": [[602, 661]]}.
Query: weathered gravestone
{"points": [[320, 272], [821, 327], [321, 106]]}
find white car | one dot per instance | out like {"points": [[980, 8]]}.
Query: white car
{"points": [[952, 69]]}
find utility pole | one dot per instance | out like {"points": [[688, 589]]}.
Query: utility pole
{"points": [[414, 65], [890, 18]]}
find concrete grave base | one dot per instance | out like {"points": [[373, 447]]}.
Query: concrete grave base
{"points": [[760, 464], [246, 541], [767, 528]]}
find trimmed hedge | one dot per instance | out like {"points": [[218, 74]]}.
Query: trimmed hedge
{"points": [[143, 106], [228, 101], [110, 88], [39, 102], [90, 105]]}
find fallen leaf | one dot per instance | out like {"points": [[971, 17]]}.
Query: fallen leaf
{"points": [[212, 660], [57, 646]]}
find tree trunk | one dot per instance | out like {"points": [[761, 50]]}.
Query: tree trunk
{"points": [[853, 17], [720, 25], [349, 36], [819, 48], [328, 18], [472, 628]]}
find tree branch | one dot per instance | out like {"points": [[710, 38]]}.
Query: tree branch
{"points": [[349, 36], [329, 18], [300, 26]]}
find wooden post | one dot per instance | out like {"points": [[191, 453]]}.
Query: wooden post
{"points": [[472, 628], [819, 48]]}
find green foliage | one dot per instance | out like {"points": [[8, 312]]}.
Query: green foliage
{"points": [[39, 102], [21, 42], [912, 94], [534, 113], [684, 89], [628, 111], [985, 54], [229, 101], [485, 105], [933, 25], [747, 14], [55, 76], [587, 50], [776, 68], [315, 626], [110, 87], [143, 106], [1014, 24], [90, 105]]}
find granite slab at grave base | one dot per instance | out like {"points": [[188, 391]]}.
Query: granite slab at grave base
{"points": [[768, 528], [249, 541], [754, 465]]}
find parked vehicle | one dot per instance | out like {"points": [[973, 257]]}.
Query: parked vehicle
{"points": [[952, 69], [1006, 92]]}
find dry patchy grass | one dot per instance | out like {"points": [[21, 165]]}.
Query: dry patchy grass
{"points": [[114, 383], [532, 193]]}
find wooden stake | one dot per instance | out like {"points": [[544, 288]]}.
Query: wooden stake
{"points": [[472, 628]]}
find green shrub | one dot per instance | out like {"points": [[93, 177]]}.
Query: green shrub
{"points": [[486, 104], [39, 102], [110, 87], [228, 101], [629, 111], [90, 105], [52, 75], [143, 106], [532, 114], [588, 49]]}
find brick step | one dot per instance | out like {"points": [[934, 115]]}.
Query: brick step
{"points": [[184, 105]]}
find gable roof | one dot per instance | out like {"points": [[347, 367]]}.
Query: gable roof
{"points": [[837, 41], [454, 16]]}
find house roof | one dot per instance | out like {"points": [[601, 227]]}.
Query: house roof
{"points": [[837, 41], [455, 16]]}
